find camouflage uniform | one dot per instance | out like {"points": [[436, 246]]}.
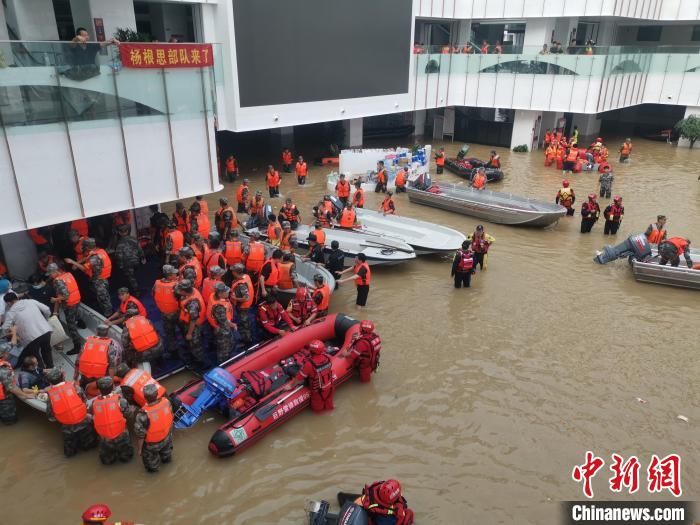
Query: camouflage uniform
{"points": [[189, 273], [170, 322], [8, 406], [81, 436], [152, 454], [606, 182], [128, 255], [242, 317], [119, 448], [194, 348], [133, 357], [70, 313], [100, 287], [223, 336]]}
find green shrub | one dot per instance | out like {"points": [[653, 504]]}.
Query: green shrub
{"points": [[521, 149]]}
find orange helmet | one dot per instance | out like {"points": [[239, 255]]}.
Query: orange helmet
{"points": [[565, 183], [97, 513], [389, 492], [367, 327], [317, 347]]}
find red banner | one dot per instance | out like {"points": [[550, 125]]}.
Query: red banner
{"points": [[157, 55]]}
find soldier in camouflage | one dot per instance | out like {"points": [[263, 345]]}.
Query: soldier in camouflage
{"points": [[128, 255], [239, 295], [154, 452], [8, 388], [190, 313], [70, 312], [132, 356], [80, 436], [118, 448], [221, 319], [185, 255], [169, 320], [99, 286]]}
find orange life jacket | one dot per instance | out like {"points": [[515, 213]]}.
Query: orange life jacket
{"points": [[401, 179], [220, 222], [256, 256], [358, 199], [182, 222], [208, 288], [274, 277], [204, 224], [347, 218], [203, 207], [679, 242], [197, 266], [572, 156], [164, 295], [219, 302], [185, 315], [257, 206], [381, 176], [106, 263], [67, 406], [72, 286], [251, 291], [285, 277], [495, 162], [230, 165], [548, 137], [136, 379], [273, 179], [198, 254], [479, 181], [142, 333], [4, 364], [368, 276], [320, 236], [440, 160], [37, 237], [212, 258], [94, 359], [107, 417], [656, 235], [81, 226], [387, 205], [177, 239], [324, 292], [626, 148], [132, 300], [301, 169], [342, 189], [272, 231], [285, 241], [233, 252], [286, 157], [160, 418], [239, 194]]}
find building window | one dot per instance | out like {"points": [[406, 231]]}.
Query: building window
{"points": [[648, 33], [696, 34]]}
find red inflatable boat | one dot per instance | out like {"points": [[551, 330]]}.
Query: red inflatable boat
{"points": [[276, 360]]}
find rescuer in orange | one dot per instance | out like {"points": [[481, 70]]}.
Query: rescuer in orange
{"points": [[479, 180], [168, 305], [302, 170], [287, 158], [387, 207], [66, 404], [288, 239], [626, 150], [98, 267], [254, 255], [382, 178], [270, 273], [243, 196], [272, 177], [348, 217], [97, 358], [358, 198], [657, 232], [231, 168], [153, 429], [342, 189], [321, 295], [192, 317], [671, 249], [140, 339], [190, 267], [216, 274], [173, 241], [274, 230], [220, 317], [108, 418], [362, 276], [126, 301], [242, 297], [132, 381], [225, 218], [288, 276], [401, 180], [440, 160], [66, 298]]}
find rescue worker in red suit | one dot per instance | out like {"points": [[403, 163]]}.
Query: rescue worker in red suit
{"points": [[154, 430], [613, 214], [98, 515], [302, 309], [108, 417], [66, 404], [671, 250], [385, 505], [590, 212], [365, 351], [273, 319], [463, 266], [566, 197], [317, 371]]}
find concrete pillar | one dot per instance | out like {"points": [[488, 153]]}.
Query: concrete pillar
{"points": [[353, 132], [32, 19], [606, 32], [538, 31], [114, 14], [690, 110], [562, 30], [464, 32], [419, 122], [525, 124], [588, 126], [20, 254], [286, 136]]}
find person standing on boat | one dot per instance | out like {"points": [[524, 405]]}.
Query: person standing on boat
{"points": [[108, 417], [342, 189], [191, 318], [98, 267], [365, 351], [28, 319], [348, 217], [288, 239], [385, 505], [382, 178], [613, 215], [290, 213], [67, 297], [317, 371], [302, 170], [590, 212], [154, 430], [168, 305], [220, 317], [358, 198], [140, 339], [671, 249], [321, 295], [362, 276], [66, 404], [128, 255], [606, 180], [270, 273], [440, 160], [242, 296], [656, 232], [566, 197], [480, 244], [463, 266], [387, 207]]}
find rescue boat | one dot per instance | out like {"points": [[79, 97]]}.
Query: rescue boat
{"points": [[350, 512], [466, 168], [277, 405]]}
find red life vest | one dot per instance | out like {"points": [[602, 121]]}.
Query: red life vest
{"points": [[67, 406], [656, 235], [197, 267], [136, 379], [251, 291], [679, 242], [81, 226], [142, 333], [465, 262], [615, 213], [107, 417], [106, 263], [285, 278], [362, 280], [358, 199], [322, 377], [369, 354], [301, 169], [219, 302], [177, 240], [479, 244], [164, 295], [233, 252], [371, 502], [286, 157], [182, 222], [160, 417], [325, 297], [302, 309], [342, 189], [94, 359], [259, 384]]}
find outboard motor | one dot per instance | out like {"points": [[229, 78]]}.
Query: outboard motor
{"points": [[636, 246], [336, 203], [463, 152], [350, 514], [219, 385], [423, 182]]}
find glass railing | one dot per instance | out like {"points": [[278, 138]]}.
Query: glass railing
{"points": [[490, 49], [55, 82]]}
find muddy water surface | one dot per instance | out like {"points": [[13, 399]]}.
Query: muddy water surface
{"points": [[485, 397]]}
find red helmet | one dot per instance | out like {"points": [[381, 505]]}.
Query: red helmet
{"points": [[599, 139], [317, 347], [591, 196], [97, 513], [367, 327], [389, 492], [565, 183], [301, 293], [617, 198]]}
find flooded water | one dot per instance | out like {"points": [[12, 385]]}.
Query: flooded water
{"points": [[485, 398]]}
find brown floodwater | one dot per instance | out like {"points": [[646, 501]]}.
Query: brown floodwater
{"points": [[485, 398]]}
